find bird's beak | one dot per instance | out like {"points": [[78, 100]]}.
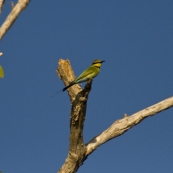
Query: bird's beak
{"points": [[102, 61]]}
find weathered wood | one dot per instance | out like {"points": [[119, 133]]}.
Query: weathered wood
{"points": [[78, 99]]}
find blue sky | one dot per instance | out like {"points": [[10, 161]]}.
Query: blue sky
{"points": [[135, 38]]}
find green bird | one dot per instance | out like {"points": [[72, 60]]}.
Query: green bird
{"points": [[89, 73]]}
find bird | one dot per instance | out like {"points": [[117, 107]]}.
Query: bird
{"points": [[90, 73]]}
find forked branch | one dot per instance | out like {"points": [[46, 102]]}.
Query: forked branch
{"points": [[78, 151]]}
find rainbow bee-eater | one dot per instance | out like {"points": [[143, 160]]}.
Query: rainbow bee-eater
{"points": [[90, 73]]}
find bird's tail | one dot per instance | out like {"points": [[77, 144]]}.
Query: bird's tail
{"points": [[56, 93], [72, 83]]}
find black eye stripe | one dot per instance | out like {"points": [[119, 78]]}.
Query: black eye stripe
{"points": [[96, 63]]}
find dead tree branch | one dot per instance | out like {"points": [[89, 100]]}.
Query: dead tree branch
{"points": [[78, 110], [78, 151], [121, 126], [18, 8]]}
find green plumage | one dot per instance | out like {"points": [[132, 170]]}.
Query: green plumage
{"points": [[89, 73]]}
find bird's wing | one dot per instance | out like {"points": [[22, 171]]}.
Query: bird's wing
{"points": [[82, 78], [85, 75]]}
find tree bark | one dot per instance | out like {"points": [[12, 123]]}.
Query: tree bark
{"points": [[78, 98]]}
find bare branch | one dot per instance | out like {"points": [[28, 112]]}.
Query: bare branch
{"points": [[121, 126], [1, 5], [78, 152], [18, 8]]}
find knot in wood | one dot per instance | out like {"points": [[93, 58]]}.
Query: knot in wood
{"points": [[83, 99]]}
